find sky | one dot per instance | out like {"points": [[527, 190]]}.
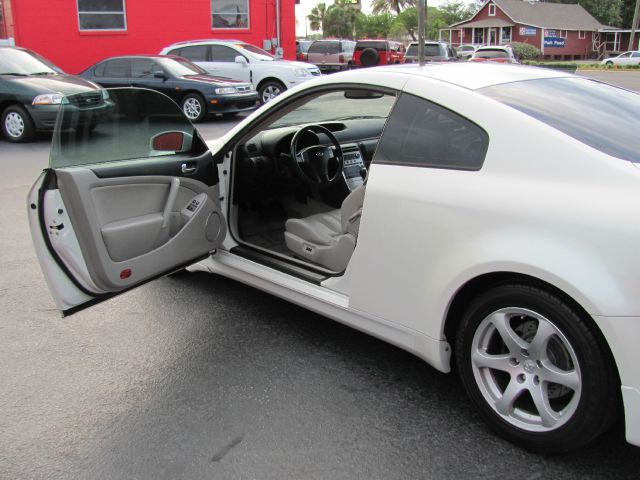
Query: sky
{"points": [[305, 6]]}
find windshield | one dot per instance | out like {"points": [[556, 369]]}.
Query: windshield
{"points": [[335, 106], [258, 53], [599, 115], [429, 50], [490, 54], [20, 62], [181, 67]]}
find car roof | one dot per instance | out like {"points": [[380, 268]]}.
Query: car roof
{"points": [[495, 47], [203, 41], [476, 75]]}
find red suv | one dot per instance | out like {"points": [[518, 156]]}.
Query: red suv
{"points": [[369, 53]]}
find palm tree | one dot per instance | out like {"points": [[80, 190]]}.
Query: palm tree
{"points": [[380, 6], [317, 15]]}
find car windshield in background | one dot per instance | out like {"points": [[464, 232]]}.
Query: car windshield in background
{"points": [[258, 52], [602, 116], [491, 54], [19, 62], [180, 67], [334, 107], [376, 45], [429, 50]]}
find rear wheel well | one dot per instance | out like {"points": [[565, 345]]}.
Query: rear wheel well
{"points": [[483, 283]]}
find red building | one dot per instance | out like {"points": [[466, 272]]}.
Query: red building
{"points": [[76, 34], [560, 31]]}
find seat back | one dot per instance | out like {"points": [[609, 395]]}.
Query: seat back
{"points": [[351, 211]]}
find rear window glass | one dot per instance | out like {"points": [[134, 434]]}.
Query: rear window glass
{"points": [[491, 54], [604, 117], [429, 50], [376, 45]]}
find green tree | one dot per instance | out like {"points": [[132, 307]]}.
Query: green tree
{"points": [[381, 6], [339, 21], [374, 26], [317, 16]]}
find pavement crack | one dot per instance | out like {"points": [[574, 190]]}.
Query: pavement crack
{"points": [[220, 454]]}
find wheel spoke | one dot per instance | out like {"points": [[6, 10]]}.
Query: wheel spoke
{"points": [[548, 415], [568, 378], [538, 346], [510, 338], [504, 404], [494, 362]]}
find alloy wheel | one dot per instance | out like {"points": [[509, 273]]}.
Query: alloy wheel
{"points": [[526, 369], [192, 108]]}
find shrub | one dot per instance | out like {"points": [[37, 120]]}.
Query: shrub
{"points": [[525, 51]]}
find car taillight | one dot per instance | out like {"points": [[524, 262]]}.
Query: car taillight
{"points": [[303, 57], [340, 58]]}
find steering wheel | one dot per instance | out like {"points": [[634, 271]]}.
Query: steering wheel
{"points": [[314, 164]]}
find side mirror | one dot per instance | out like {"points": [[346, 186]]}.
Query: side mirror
{"points": [[159, 74], [241, 59], [167, 143]]}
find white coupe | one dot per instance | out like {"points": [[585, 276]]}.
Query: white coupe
{"points": [[477, 215]]}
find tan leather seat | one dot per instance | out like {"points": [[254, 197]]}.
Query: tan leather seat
{"points": [[327, 238]]}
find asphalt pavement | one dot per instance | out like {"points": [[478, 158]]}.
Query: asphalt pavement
{"points": [[195, 376]]}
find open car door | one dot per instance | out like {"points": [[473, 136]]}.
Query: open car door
{"points": [[131, 193]]}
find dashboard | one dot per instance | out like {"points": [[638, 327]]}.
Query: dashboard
{"points": [[269, 151]]}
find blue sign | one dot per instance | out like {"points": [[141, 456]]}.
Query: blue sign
{"points": [[553, 42], [528, 31]]}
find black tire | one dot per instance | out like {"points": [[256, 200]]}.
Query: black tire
{"points": [[194, 107], [588, 410], [369, 57], [609, 64], [17, 125], [269, 90]]}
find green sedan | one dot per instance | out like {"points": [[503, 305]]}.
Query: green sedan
{"points": [[31, 90]]}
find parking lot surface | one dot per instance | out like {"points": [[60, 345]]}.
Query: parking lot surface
{"points": [[195, 376]]}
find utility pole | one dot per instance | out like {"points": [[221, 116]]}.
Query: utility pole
{"points": [[421, 11], [634, 25]]}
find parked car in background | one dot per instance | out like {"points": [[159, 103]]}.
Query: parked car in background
{"points": [[626, 58], [245, 62], [433, 52], [191, 87], [31, 89], [494, 231], [301, 49], [465, 51], [331, 55], [494, 53], [372, 52]]}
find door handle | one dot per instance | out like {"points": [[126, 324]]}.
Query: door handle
{"points": [[186, 168]]}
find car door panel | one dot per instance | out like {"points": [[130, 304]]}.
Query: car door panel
{"points": [[102, 228]]}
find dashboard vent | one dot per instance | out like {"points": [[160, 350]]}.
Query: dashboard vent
{"points": [[251, 148]]}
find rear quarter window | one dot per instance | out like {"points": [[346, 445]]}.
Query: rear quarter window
{"points": [[420, 133], [602, 116]]}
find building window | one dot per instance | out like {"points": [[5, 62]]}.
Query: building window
{"points": [[230, 14], [506, 35], [492, 10], [581, 35], [478, 36], [562, 33], [101, 15]]}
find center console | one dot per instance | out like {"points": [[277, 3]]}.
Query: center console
{"points": [[353, 166]]}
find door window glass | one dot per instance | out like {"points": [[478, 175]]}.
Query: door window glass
{"points": [[423, 134], [195, 53], [117, 124], [116, 68], [143, 68], [220, 53]]}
